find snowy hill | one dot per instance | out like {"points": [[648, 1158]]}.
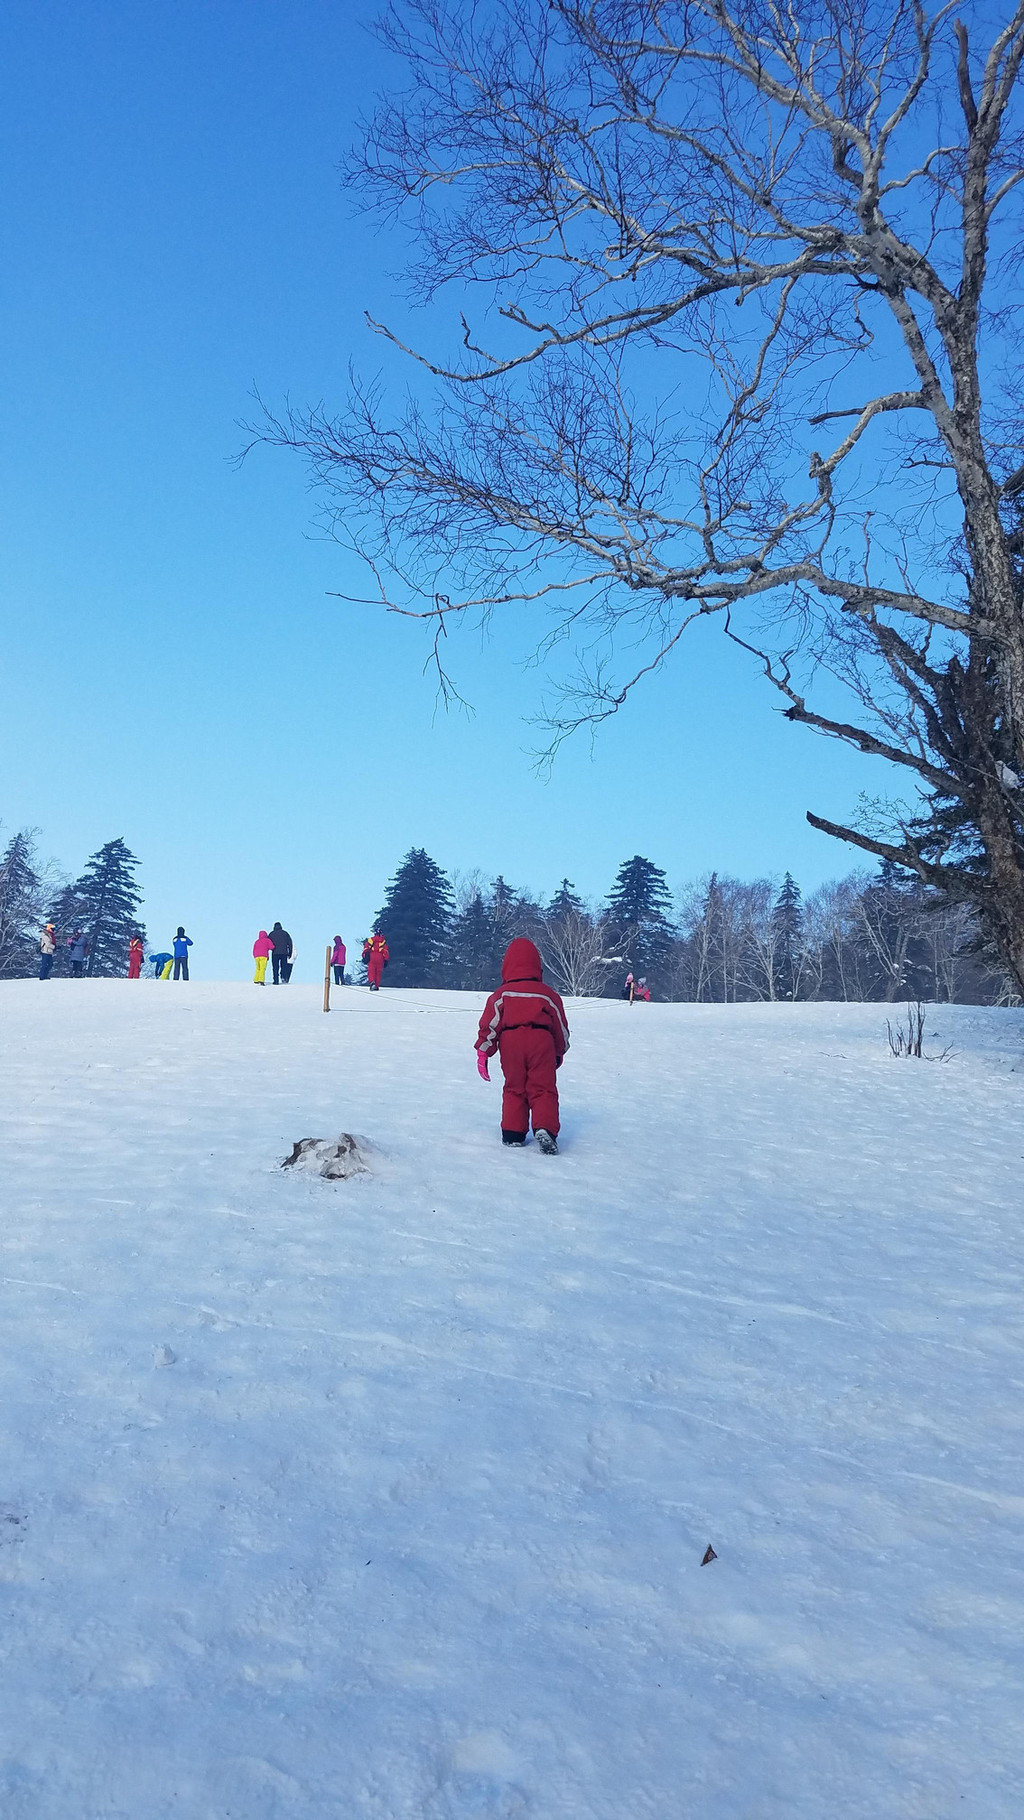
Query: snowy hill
{"points": [[388, 1497]]}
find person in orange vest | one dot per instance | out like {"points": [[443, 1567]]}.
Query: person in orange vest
{"points": [[135, 956], [376, 957]]}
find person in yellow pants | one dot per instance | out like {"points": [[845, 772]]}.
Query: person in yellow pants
{"points": [[262, 949], [165, 971]]}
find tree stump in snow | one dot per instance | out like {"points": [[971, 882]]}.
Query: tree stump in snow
{"points": [[335, 1158]]}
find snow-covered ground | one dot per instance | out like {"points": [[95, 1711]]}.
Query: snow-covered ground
{"points": [[386, 1499]]}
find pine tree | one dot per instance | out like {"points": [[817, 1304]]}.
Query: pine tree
{"points": [[565, 902], [469, 948], [104, 902], [788, 918], [511, 914], [479, 935], [415, 918], [20, 907], [638, 907], [708, 946]]}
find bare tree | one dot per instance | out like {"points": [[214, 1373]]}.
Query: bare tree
{"points": [[950, 934], [714, 915], [763, 967], [749, 346], [831, 956], [887, 932], [577, 949]]}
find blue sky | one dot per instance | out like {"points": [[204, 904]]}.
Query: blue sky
{"points": [[175, 232]]}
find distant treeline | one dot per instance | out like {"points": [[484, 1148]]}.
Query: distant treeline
{"points": [[881, 936], [720, 940]]}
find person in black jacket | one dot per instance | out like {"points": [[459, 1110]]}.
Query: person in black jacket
{"points": [[282, 958]]}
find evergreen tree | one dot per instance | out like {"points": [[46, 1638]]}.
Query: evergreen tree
{"points": [[104, 902], [638, 907], [66, 915], [788, 919], [20, 907], [416, 918], [565, 902], [512, 914], [708, 941], [481, 932], [469, 949]]}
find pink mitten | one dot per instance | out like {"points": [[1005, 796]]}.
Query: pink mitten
{"points": [[481, 1066]]}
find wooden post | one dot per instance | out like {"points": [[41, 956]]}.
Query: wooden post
{"points": [[327, 980]]}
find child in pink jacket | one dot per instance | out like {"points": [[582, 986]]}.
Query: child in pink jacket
{"points": [[262, 949]]}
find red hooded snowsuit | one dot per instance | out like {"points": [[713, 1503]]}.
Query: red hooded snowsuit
{"points": [[376, 958], [525, 1022]]}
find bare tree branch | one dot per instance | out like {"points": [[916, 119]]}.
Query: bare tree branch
{"points": [[695, 227]]}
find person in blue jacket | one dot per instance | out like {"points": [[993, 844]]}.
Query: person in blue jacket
{"points": [[162, 964], [182, 944]]}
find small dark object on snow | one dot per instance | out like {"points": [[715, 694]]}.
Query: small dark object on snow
{"points": [[334, 1158], [709, 1555]]}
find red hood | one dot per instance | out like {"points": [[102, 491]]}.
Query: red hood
{"points": [[522, 961]]}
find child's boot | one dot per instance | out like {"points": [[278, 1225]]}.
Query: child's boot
{"points": [[546, 1141]]}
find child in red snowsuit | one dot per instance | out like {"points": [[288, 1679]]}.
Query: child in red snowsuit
{"points": [[525, 1022]]}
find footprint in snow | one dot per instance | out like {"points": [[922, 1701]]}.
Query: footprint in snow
{"points": [[12, 1525], [482, 1767]]}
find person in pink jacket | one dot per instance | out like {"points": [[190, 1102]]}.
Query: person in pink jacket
{"points": [[262, 949], [338, 961]]}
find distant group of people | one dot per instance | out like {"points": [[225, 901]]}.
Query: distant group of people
{"points": [[77, 945], [79, 948], [162, 964], [276, 946], [523, 1021], [636, 989]]}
